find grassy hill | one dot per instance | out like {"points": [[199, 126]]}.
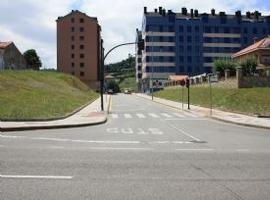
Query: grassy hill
{"points": [[251, 101], [124, 72], [40, 94]]}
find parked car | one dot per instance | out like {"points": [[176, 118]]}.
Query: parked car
{"points": [[127, 91], [110, 91]]}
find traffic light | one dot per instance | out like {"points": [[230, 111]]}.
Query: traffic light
{"points": [[141, 44]]}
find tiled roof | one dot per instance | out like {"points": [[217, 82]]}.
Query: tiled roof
{"points": [[177, 77], [262, 44], [4, 45]]}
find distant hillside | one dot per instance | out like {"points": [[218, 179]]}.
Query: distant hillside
{"points": [[40, 94], [124, 72]]}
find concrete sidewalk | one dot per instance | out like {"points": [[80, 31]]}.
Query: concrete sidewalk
{"points": [[89, 115], [216, 114]]}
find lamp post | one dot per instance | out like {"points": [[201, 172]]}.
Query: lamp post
{"points": [[102, 66]]}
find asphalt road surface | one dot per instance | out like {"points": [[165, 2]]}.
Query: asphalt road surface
{"points": [[144, 151]]}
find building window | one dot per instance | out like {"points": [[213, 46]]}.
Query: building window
{"points": [[255, 31], [189, 29], [72, 64], [245, 30], [81, 46], [197, 29], [81, 29], [72, 55], [81, 64], [72, 20], [181, 38], [81, 73], [72, 38], [72, 46], [81, 55], [82, 20], [160, 28], [72, 29], [171, 28], [82, 38], [181, 29], [189, 39]]}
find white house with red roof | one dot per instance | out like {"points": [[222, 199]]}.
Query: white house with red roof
{"points": [[11, 57]]}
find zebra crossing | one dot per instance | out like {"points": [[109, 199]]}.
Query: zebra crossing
{"points": [[153, 115]]}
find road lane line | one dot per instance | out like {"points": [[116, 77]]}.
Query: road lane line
{"points": [[128, 116], [142, 116], [185, 133], [121, 148], [242, 150], [194, 149], [70, 140], [166, 115], [35, 177], [153, 115]]}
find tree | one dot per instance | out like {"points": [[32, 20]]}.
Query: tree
{"points": [[249, 66], [113, 85], [222, 64], [32, 59]]}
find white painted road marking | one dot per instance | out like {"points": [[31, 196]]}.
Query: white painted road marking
{"points": [[190, 114], [194, 149], [166, 115], [153, 115], [35, 177], [120, 148], [128, 116], [114, 116], [184, 132], [142, 116], [179, 115]]}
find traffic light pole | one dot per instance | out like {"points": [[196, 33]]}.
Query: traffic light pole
{"points": [[102, 70]]}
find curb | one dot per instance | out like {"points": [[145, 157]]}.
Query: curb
{"points": [[239, 123], [10, 129], [215, 118]]}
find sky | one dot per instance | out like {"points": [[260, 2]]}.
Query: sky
{"points": [[30, 24]]}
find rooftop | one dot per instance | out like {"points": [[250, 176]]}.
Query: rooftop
{"points": [[4, 45], [262, 44]]}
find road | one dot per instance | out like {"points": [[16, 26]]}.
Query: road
{"points": [[144, 151]]}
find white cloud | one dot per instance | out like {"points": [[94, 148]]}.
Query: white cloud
{"points": [[31, 23]]}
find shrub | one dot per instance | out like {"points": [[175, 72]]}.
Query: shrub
{"points": [[222, 64], [249, 66]]}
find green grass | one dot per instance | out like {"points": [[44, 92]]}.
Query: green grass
{"points": [[40, 94], [126, 80], [251, 101]]}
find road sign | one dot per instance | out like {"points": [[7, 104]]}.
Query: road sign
{"points": [[213, 78]]}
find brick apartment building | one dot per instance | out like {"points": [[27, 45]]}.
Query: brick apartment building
{"points": [[79, 47]]}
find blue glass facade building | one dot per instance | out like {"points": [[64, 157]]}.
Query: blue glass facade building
{"points": [[187, 43]]}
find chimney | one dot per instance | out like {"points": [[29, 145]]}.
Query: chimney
{"points": [[213, 12], [160, 10], [163, 12], [256, 15], [223, 14], [248, 14], [196, 13], [184, 11], [238, 13], [155, 10], [145, 10], [191, 13]]}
